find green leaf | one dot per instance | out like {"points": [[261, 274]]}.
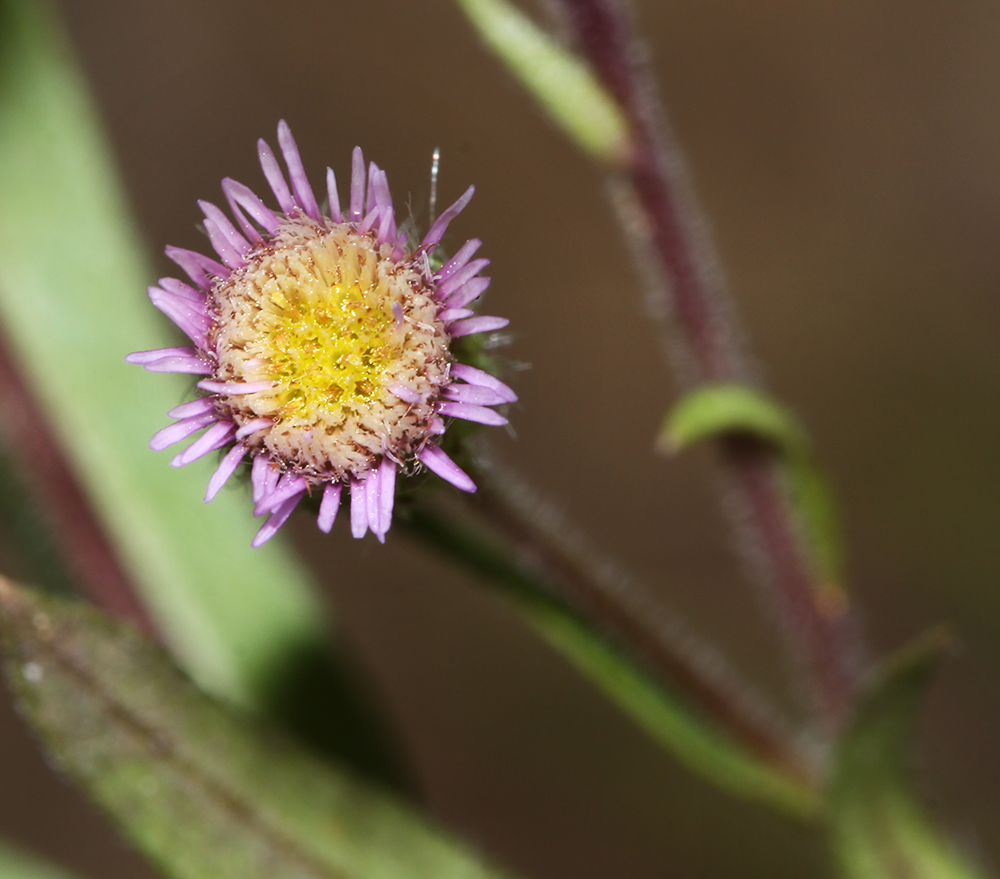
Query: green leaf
{"points": [[199, 789], [72, 299], [716, 410], [663, 714], [561, 82], [879, 829], [15, 864]]}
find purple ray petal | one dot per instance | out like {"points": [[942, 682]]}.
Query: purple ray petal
{"points": [[407, 395], [195, 407], [276, 180], [214, 438], [475, 394], [260, 476], [198, 267], [275, 480], [140, 358], [466, 273], [328, 506], [162, 439], [450, 314], [470, 291], [373, 502], [227, 467], [484, 324], [185, 291], [192, 364], [333, 196], [232, 235], [436, 232], [235, 388], [387, 494], [227, 253], [253, 426], [383, 201], [438, 462], [241, 196], [464, 254], [190, 318], [477, 377], [369, 221], [382, 193], [373, 172], [288, 485], [386, 227], [359, 509], [180, 301], [357, 189], [249, 230], [276, 520], [469, 412], [300, 183], [399, 251]]}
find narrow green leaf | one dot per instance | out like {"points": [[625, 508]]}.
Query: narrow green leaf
{"points": [[663, 714], [561, 82], [716, 410], [199, 789], [16, 864], [879, 829], [72, 298]]}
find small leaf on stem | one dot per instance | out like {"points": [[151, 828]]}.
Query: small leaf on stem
{"points": [[202, 791], [879, 829], [729, 408]]}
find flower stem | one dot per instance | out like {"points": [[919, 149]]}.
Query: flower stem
{"points": [[670, 238], [542, 556]]}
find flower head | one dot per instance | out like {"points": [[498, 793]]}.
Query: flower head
{"points": [[326, 339]]}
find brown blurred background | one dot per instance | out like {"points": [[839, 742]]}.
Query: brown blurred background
{"points": [[849, 157]]}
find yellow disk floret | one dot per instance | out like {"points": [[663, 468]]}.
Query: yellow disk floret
{"points": [[335, 324]]}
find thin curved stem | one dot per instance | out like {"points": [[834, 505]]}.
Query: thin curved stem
{"points": [[545, 557], [671, 241]]}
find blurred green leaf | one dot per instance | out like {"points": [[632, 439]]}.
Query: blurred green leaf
{"points": [[879, 829], [202, 791], [16, 864], [715, 410], [72, 297], [561, 82], [665, 715]]}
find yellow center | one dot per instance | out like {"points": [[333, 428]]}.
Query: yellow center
{"points": [[325, 316], [332, 354]]}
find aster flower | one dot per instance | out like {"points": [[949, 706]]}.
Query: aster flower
{"points": [[325, 339]]}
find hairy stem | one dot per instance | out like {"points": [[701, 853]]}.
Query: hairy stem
{"points": [[670, 238], [545, 557]]}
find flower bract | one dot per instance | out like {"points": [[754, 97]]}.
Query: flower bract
{"points": [[325, 342]]}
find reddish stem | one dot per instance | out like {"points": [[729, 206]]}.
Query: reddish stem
{"points": [[704, 681], [675, 244], [77, 533]]}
